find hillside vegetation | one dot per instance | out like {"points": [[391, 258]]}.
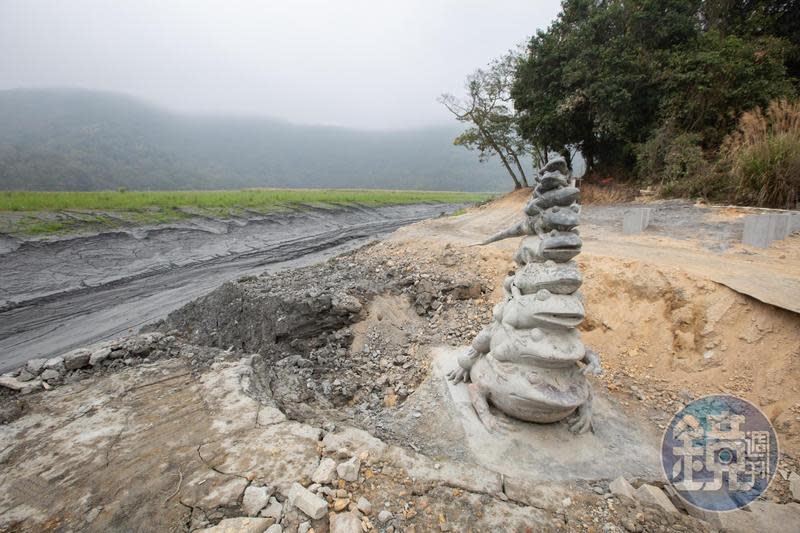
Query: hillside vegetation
{"points": [[82, 140], [691, 97]]}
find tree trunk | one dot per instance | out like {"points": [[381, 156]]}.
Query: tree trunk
{"points": [[490, 139], [521, 172]]}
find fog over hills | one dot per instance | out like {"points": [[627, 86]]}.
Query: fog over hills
{"points": [[64, 139]]}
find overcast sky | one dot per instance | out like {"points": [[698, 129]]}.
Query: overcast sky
{"points": [[359, 63]]}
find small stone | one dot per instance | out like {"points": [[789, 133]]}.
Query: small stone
{"points": [[239, 525], [118, 354], [794, 486], [77, 359], [345, 523], [349, 469], [50, 375], [303, 527], [384, 516], [55, 363], [273, 510], [24, 375], [340, 504], [255, 499], [325, 473], [654, 496], [35, 366], [621, 487], [99, 356], [275, 528], [307, 501], [364, 505]]}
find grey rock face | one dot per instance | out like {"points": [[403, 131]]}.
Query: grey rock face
{"points": [[527, 362]]}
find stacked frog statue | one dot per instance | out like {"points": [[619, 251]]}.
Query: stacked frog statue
{"points": [[526, 362]]}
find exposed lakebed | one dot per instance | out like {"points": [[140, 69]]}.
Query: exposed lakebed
{"points": [[59, 294]]}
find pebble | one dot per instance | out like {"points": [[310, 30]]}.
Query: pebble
{"points": [[348, 470], [384, 516], [340, 504], [364, 506]]}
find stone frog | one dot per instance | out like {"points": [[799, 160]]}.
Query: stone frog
{"points": [[529, 362], [530, 374]]}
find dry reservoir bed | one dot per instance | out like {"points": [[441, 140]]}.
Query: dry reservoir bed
{"points": [[184, 427]]}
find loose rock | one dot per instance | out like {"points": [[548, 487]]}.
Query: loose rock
{"points": [[50, 375], [239, 525], [307, 501], [364, 506], [349, 469], [99, 356], [621, 487], [273, 510], [794, 486], [35, 366], [345, 523], [77, 359], [651, 495], [325, 473], [255, 499]]}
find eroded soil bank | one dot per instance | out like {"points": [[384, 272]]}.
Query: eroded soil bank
{"points": [[60, 294], [269, 379]]}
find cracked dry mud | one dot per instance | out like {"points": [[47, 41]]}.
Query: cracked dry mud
{"points": [[345, 369]]}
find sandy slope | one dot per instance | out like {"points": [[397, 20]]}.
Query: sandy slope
{"points": [[661, 309]]}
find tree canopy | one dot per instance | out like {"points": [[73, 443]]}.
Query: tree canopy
{"points": [[609, 76]]}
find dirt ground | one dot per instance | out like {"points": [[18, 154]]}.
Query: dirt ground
{"points": [[345, 353]]}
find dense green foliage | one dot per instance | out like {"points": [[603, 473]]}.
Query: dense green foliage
{"points": [[651, 88], [83, 140]]}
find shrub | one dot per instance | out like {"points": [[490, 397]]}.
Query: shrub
{"points": [[762, 155], [675, 163]]}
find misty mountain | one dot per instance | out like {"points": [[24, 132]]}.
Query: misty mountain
{"points": [[87, 140]]}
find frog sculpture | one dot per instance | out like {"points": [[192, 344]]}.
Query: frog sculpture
{"points": [[526, 362]]}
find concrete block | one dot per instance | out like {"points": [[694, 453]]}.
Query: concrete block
{"points": [[761, 230], [636, 220]]}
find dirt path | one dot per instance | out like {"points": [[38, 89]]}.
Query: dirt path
{"points": [[704, 241]]}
